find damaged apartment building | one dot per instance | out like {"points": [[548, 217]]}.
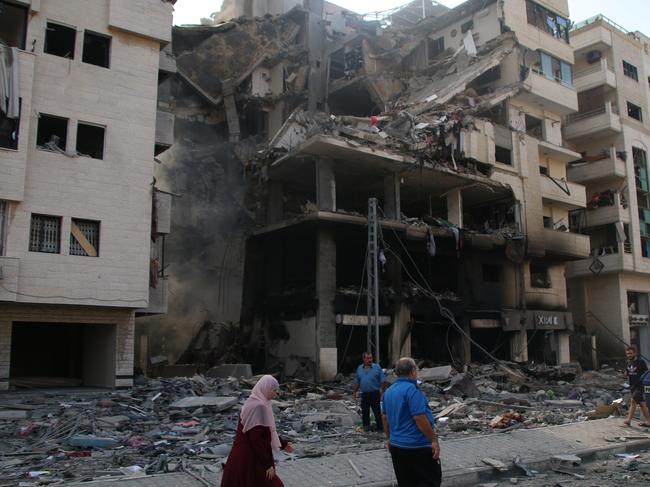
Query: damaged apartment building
{"points": [[453, 120], [81, 221]]}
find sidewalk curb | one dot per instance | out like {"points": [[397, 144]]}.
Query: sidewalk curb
{"points": [[472, 476]]}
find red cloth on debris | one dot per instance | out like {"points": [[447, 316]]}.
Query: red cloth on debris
{"points": [[250, 458]]}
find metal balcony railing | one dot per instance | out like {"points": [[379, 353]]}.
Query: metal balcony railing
{"points": [[590, 113], [598, 18]]}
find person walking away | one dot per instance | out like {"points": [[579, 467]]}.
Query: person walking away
{"points": [[250, 463], [635, 368], [408, 426], [370, 379]]}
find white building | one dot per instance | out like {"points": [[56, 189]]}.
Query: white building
{"points": [[76, 174]]}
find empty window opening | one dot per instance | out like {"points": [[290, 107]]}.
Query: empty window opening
{"points": [[90, 140], [539, 276], [630, 71], [97, 49], [52, 132], [491, 273], [534, 127], [634, 111], [84, 238], [9, 126], [59, 40], [548, 222], [62, 355], [45, 234], [503, 155], [436, 47], [3, 226], [13, 24], [467, 26]]}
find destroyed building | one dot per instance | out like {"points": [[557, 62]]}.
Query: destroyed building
{"points": [[454, 122], [81, 218], [609, 290]]}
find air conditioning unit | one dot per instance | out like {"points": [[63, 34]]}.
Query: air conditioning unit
{"points": [[593, 56]]}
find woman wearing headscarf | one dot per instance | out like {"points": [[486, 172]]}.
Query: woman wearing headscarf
{"points": [[250, 463]]}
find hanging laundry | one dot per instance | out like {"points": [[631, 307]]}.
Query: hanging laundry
{"points": [[431, 243]]}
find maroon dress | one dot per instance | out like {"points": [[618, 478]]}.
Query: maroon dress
{"points": [[251, 456]]}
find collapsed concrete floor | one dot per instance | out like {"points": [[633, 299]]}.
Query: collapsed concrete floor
{"points": [[188, 424]]}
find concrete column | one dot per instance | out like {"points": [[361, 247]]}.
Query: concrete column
{"points": [[392, 206], [326, 292], [275, 207], [400, 333], [465, 344], [518, 346], [5, 353], [644, 340], [455, 207], [563, 348], [325, 185]]}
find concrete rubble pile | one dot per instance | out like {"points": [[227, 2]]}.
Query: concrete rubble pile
{"points": [[188, 424]]}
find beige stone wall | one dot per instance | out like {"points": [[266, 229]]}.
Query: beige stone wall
{"points": [[123, 320], [116, 190], [13, 163], [486, 27]]}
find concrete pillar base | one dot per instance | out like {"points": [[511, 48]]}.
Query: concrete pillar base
{"points": [[518, 346]]}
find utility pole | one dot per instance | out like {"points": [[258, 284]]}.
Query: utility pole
{"points": [[372, 272]]}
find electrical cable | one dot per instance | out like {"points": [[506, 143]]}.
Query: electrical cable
{"points": [[87, 298], [356, 309]]}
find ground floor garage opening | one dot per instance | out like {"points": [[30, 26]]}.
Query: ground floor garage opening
{"points": [[62, 355]]}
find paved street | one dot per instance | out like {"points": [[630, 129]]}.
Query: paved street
{"points": [[462, 465]]}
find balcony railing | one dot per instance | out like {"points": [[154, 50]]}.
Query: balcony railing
{"points": [[574, 117], [598, 18], [603, 120]]}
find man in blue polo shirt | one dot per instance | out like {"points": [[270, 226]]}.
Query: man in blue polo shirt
{"points": [[370, 379], [408, 426]]}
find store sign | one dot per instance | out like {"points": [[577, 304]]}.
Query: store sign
{"points": [[549, 321]]}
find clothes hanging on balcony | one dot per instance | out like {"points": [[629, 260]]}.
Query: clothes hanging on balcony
{"points": [[9, 82]]}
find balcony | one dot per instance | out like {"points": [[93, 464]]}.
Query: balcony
{"points": [[552, 94], [592, 34], [167, 61], [563, 193], [557, 152], [614, 262], [600, 122], [566, 244], [479, 144], [9, 278], [164, 130], [609, 168], [600, 74], [606, 215]]}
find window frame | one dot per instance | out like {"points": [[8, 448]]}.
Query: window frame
{"points": [[108, 54], [38, 245], [74, 242], [555, 69], [630, 70], [94, 125], [23, 40], [65, 26], [547, 281], [541, 17], [63, 139], [632, 106], [4, 211]]}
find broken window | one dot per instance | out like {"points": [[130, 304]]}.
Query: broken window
{"points": [[97, 49], [491, 273], [3, 225], [45, 234], [90, 140], [556, 70], [503, 155], [467, 26], [539, 276], [13, 24], [534, 127], [60, 40], [9, 129], [547, 21], [634, 111], [84, 238], [436, 47], [630, 71], [52, 132]]}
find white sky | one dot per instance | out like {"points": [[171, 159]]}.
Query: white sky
{"points": [[630, 14]]}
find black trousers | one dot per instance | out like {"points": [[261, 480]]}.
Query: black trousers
{"points": [[416, 467], [370, 400]]}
